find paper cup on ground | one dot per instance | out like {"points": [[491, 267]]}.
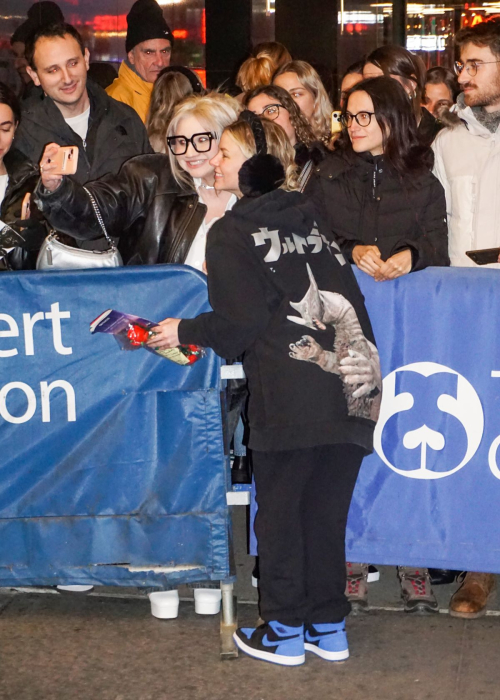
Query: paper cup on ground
{"points": [[75, 589], [164, 604], [207, 601]]}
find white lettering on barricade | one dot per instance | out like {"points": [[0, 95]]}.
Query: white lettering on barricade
{"points": [[46, 388], [55, 315], [13, 332], [30, 395], [28, 322]]}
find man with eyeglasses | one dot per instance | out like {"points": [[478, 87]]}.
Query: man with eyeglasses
{"points": [[467, 162]]}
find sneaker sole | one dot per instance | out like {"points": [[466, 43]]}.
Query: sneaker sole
{"points": [[421, 609], [327, 655], [279, 659]]}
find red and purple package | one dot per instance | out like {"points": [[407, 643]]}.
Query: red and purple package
{"points": [[132, 332]]}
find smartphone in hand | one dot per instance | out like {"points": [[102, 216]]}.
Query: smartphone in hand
{"points": [[336, 124], [66, 160]]}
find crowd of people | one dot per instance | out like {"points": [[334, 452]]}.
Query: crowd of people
{"points": [[274, 198]]}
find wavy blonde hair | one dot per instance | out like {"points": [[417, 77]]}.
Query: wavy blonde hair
{"points": [[278, 145], [309, 78], [214, 110]]}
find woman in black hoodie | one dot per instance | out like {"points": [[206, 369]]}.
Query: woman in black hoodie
{"points": [[284, 297]]}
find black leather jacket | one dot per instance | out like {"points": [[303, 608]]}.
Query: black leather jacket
{"points": [[23, 178], [154, 220]]}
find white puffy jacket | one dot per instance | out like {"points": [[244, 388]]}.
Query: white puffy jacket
{"points": [[467, 163]]}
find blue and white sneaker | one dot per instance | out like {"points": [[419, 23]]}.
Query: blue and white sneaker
{"points": [[274, 642], [328, 641]]}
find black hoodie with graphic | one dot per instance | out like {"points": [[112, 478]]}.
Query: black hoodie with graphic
{"points": [[285, 298]]}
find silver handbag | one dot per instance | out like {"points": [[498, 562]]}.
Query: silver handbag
{"points": [[55, 255]]}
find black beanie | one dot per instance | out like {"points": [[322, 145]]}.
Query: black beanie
{"points": [[45, 13], [145, 21]]}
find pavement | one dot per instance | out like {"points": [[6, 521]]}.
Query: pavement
{"points": [[107, 646]]}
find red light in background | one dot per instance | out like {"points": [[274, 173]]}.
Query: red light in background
{"points": [[349, 28], [358, 28], [202, 75], [110, 23], [203, 27], [180, 33]]}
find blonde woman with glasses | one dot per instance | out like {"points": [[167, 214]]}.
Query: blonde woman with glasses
{"points": [[160, 207]]}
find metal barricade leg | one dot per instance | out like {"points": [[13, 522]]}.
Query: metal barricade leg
{"points": [[228, 623]]}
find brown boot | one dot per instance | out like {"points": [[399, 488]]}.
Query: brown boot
{"points": [[472, 597]]}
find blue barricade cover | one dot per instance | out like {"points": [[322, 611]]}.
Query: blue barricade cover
{"points": [[113, 467], [429, 495]]}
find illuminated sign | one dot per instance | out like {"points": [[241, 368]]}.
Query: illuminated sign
{"points": [[110, 23], [426, 42]]}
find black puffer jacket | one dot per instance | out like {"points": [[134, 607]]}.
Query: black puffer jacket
{"points": [[115, 133], [23, 178], [143, 206], [368, 204]]}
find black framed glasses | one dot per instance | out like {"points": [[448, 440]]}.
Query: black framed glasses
{"points": [[201, 143], [363, 118], [470, 66], [271, 112]]}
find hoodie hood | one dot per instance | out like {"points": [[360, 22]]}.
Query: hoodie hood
{"points": [[278, 209], [466, 115]]}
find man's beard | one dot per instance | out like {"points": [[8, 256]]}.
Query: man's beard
{"points": [[482, 98]]}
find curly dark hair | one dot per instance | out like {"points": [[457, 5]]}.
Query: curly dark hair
{"points": [[303, 130], [404, 152]]}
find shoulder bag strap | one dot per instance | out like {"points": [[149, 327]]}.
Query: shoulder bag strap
{"points": [[99, 218]]}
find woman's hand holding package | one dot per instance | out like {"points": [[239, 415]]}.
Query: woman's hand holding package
{"points": [[166, 334], [47, 168], [367, 258]]}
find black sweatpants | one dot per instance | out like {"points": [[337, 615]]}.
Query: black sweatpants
{"points": [[303, 498]]}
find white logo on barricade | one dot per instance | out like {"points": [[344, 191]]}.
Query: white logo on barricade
{"points": [[464, 405]]}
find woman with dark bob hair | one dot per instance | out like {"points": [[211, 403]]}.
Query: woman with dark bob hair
{"points": [[386, 209], [409, 70], [18, 176]]}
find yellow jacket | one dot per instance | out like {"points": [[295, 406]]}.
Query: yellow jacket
{"points": [[131, 89]]}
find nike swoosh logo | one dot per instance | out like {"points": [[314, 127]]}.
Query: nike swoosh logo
{"points": [[273, 643], [318, 635]]}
